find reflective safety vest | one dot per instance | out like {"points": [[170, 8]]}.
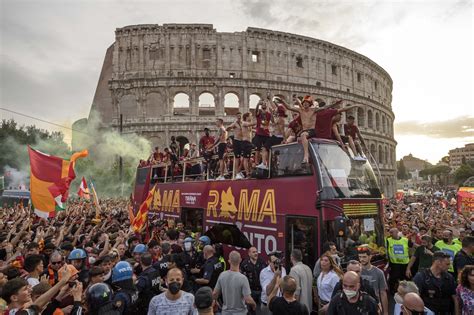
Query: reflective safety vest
{"points": [[398, 250], [451, 250]]}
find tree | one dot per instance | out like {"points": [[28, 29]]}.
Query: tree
{"points": [[401, 171], [462, 173]]}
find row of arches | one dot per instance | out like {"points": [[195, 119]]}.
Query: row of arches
{"points": [[383, 154], [372, 119], [207, 100]]}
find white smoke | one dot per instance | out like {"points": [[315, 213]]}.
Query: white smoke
{"points": [[15, 179]]}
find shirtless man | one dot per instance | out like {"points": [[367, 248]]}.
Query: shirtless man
{"points": [[236, 126], [221, 145], [262, 131], [294, 128], [308, 120], [353, 136], [247, 146]]}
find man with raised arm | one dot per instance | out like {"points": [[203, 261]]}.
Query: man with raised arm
{"points": [[307, 114], [262, 131], [247, 146], [221, 145], [236, 126]]}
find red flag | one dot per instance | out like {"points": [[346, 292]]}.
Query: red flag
{"points": [[83, 191], [141, 217]]}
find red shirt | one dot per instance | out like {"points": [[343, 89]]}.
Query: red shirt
{"points": [[206, 142], [323, 127], [351, 131], [263, 124]]}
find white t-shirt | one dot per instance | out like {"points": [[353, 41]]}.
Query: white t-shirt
{"points": [[266, 276], [326, 284], [160, 305], [32, 281]]}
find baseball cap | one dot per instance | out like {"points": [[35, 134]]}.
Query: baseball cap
{"points": [[203, 298]]}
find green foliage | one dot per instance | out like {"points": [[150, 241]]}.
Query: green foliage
{"points": [[436, 171], [463, 172]]}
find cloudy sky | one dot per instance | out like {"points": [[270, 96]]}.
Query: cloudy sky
{"points": [[52, 53]]}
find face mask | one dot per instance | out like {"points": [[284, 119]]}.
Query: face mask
{"points": [[398, 298], [445, 240], [349, 293], [187, 246], [174, 287]]}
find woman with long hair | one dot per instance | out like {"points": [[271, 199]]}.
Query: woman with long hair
{"points": [[330, 275], [465, 290]]}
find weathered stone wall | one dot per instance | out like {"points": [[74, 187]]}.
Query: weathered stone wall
{"points": [[151, 64]]}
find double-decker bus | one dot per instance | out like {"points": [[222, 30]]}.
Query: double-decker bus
{"points": [[332, 198]]}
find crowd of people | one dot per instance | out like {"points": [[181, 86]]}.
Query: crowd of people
{"points": [[76, 264], [253, 136]]}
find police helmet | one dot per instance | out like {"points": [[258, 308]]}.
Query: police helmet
{"points": [[98, 295], [188, 239], [139, 249], [205, 240], [122, 271], [77, 254]]}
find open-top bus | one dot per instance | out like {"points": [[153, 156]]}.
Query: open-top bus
{"points": [[296, 206]]}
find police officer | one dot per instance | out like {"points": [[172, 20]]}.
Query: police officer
{"points": [[137, 252], [398, 257], [251, 268], [200, 260], [148, 283], [437, 287], [211, 269], [162, 264], [450, 248], [99, 300], [126, 294], [78, 258]]}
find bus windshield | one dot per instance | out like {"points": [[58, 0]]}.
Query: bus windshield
{"points": [[341, 176]]}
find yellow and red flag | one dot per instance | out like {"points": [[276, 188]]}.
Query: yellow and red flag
{"points": [[83, 191], [141, 217], [50, 177]]}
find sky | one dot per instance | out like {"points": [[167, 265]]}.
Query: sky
{"points": [[51, 54]]}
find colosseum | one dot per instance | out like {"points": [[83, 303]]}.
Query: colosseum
{"points": [[175, 79]]}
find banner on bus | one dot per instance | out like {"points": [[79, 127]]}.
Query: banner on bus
{"points": [[465, 200]]}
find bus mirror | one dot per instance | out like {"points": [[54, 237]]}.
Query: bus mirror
{"points": [[340, 226]]}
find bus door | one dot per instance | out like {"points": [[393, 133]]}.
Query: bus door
{"points": [[301, 233], [192, 218]]}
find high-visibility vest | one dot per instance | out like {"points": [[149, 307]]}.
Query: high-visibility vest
{"points": [[398, 250], [451, 250]]}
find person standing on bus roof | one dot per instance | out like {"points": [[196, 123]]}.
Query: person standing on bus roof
{"points": [[236, 127], [205, 143], [262, 132], [398, 258], [221, 145], [278, 134]]}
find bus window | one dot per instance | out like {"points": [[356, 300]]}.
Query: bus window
{"points": [[286, 161], [301, 234], [342, 177], [142, 174], [192, 218]]}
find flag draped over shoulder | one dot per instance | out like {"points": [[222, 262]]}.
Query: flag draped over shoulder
{"points": [[83, 191], [50, 177], [141, 217]]}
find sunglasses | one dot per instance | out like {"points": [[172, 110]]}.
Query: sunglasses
{"points": [[56, 262]]}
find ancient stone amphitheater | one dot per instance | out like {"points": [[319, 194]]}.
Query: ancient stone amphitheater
{"points": [[175, 79]]}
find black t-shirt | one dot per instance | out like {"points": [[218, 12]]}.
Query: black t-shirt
{"points": [[162, 266], [365, 305], [279, 306]]}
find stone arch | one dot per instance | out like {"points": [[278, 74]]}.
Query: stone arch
{"points": [[386, 155], [128, 106], [370, 119], [254, 98], [207, 104], [377, 121], [380, 154], [373, 150], [384, 124], [231, 103], [181, 100], [155, 105], [360, 117]]}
